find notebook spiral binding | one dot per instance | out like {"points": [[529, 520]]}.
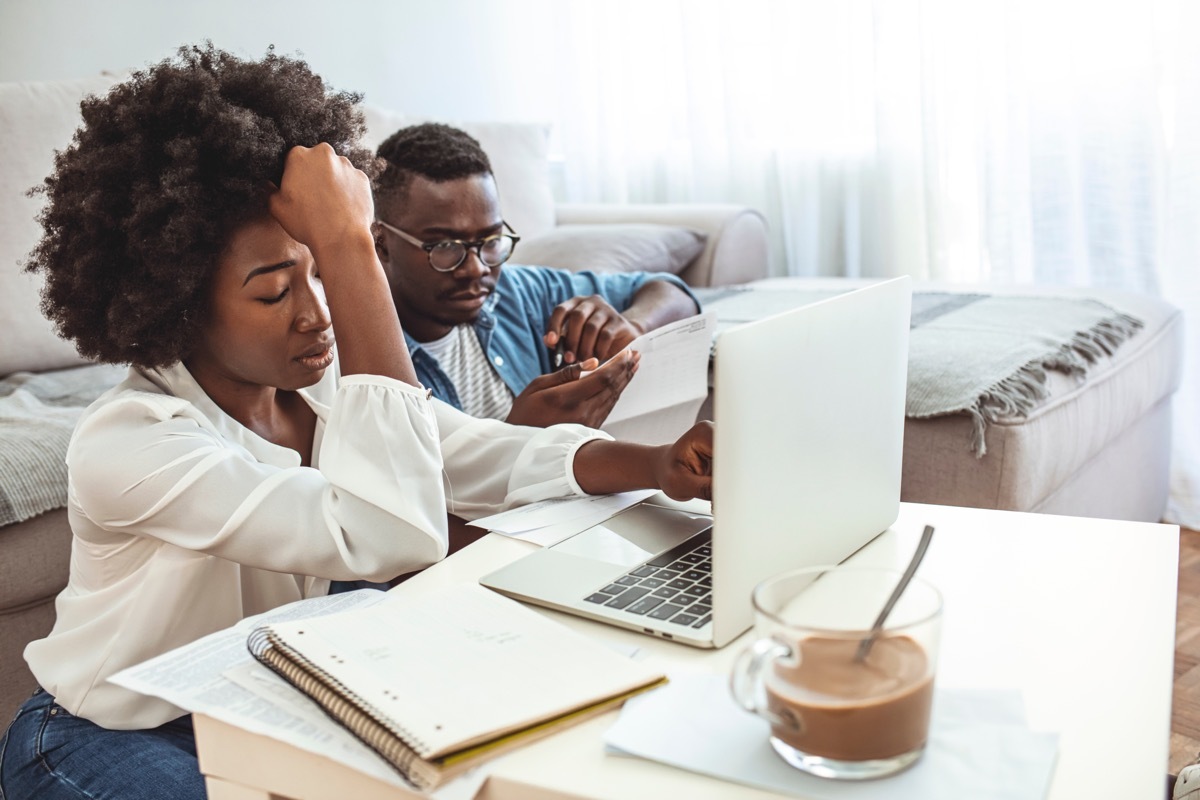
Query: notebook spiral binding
{"points": [[395, 744]]}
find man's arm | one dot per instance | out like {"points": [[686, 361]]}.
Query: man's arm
{"points": [[591, 327], [657, 303]]}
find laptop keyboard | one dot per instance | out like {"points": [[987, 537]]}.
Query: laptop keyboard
{"points": [[676, 586]]}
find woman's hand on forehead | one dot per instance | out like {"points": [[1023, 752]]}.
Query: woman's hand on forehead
{"points": [[323, 201]]}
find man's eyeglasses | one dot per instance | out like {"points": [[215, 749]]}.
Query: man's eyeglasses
{"points": [[448, 254]]}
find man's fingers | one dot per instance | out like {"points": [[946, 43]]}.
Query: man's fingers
{"points": [[566, 375], [571, 386], [557, 322], [613, 339], [583, 318], [611, 378], [605, 339], [570, 395], [554, 326], [628, 367]]}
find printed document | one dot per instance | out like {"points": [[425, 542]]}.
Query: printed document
{"points": [[660, 403]]}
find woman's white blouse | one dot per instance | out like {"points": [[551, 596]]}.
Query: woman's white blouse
{"points": [[185, 521]]}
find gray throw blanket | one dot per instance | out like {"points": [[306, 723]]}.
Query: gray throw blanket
{"points": [[976, 354], [987, 355], [37, 415]]}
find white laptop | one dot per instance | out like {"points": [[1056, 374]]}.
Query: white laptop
{"points": [[809, 427]]}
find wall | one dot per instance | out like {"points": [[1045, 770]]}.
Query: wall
{"points": [[455, 59]]}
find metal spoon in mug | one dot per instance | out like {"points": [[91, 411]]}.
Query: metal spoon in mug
{"points": [[864, 646]]}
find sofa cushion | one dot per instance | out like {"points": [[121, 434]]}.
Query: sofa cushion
{"points": [[613, 248], [36, 119], [519, 153], [19, 628], [37, 555], [34, 569]]}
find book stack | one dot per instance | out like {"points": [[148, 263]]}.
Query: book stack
{"points": [[439, 683]]}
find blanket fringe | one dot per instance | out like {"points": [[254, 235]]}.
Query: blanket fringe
{"points": [[1019, 393]]}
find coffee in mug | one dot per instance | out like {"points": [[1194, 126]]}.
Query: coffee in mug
{"points": [[832, 713], [839, 708]]}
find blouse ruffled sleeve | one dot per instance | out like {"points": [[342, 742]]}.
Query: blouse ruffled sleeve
{"points": [[491, 466]]}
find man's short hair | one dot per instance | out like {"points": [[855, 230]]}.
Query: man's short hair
{"points": [[432, 150]]}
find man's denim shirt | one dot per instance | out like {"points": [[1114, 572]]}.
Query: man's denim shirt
{"points": [[513, 320]]}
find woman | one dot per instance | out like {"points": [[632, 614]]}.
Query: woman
{"points": [[210, 226]]}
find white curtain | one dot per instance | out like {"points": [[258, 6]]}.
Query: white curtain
{"points": [[1008, 141]]}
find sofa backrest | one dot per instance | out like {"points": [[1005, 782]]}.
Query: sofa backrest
{"points": [[36, 119]]}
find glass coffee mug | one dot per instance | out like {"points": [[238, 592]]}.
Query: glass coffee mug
{"points": [[833, 714]]}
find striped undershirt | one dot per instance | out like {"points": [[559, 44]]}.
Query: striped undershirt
{"points": [[480, 389]]}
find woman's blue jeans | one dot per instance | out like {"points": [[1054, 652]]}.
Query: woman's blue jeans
{"points": [[49, 754]]}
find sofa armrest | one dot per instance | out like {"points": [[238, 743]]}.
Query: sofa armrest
{"points": [[736, 246]]}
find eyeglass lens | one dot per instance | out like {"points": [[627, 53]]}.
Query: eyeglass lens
{"points": [[493, 251]]}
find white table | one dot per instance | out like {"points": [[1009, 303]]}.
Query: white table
{"points": [[1077, 613]]}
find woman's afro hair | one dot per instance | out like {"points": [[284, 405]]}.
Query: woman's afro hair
{"points": [[161, 173]]}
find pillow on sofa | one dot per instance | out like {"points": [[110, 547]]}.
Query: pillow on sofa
{"points": [[519, 153], [613, 248], [36, 118]]}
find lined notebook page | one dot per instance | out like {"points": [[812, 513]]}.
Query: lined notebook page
{"points": [[461, 665]]}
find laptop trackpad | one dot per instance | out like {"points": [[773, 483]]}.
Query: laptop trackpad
{"points": [[634, 535]]}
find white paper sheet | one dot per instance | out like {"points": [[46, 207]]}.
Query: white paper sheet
{"points": [[980, 746], [217, 676], [548, 522], [558, 510], [660, 403]]}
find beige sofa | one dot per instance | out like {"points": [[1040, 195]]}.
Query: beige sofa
{"points": [[706, 244]]}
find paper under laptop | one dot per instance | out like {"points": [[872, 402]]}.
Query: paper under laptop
{"points": [[548, 522], [809, 427]]}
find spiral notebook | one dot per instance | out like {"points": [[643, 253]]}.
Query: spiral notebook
{"points": [[439, 682]]}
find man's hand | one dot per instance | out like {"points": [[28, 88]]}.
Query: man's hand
{"points": [[590, 328], [684, 469], [570, 396]]}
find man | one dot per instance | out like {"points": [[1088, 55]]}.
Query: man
{"points": [[484, 336]]}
